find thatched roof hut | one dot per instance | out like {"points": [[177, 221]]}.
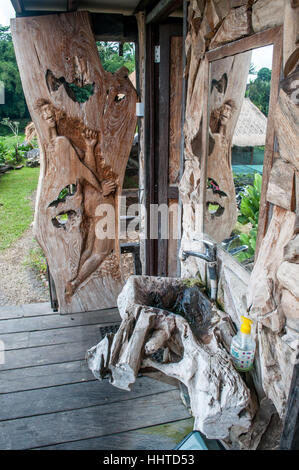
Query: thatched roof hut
{"points": [[251, 126]]}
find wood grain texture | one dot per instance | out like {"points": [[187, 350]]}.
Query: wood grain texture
{"points": [[74, 396], [84, 146], [281, 184], [225, 105], [95, 421], [161, 437], [235, 25]]}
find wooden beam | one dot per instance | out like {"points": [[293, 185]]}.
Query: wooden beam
{"points": [[18, 5], [162, 10], [72, 5], [144, 4], [106, 26], [114, 27]]}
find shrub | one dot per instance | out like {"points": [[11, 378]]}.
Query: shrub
{"points": [[249, 208]]}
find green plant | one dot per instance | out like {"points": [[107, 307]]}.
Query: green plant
{"points": [[16, 211], [3, 152], [249, 208], [36, 260]]}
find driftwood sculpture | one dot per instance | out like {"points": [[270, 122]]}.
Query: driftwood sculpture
{"points": [[85, 120], [193, 351]]}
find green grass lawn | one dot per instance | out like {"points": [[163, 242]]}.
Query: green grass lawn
{"points": [[16, 213]]}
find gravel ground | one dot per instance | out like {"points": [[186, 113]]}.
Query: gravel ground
{"points": [[19, 284]]}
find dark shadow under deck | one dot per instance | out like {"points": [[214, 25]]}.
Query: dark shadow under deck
{"points": [[50, 400]]}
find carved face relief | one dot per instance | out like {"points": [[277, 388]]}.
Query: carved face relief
{"points": [[225, 114], [48, 115]]}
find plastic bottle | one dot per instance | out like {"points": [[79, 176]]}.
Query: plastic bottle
{"points": [[243, 347]]}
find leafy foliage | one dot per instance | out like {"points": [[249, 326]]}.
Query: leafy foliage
{"points": [[258, 90], [15, 105], [110, 58], [249, 208]]}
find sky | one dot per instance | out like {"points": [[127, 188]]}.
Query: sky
{"points": [[6, 12]]}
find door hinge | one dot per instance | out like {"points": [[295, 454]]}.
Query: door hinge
{"points": [[157, 54]]}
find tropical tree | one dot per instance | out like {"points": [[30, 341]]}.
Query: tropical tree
{"points": [[15, 105], [258, 90], [113, 57]]}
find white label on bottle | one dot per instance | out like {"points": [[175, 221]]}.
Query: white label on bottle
{"points": [[243, 360]]}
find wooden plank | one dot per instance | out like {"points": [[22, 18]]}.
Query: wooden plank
{"points": [[55, 321], [74, 396], [270, 137], [163, 152], [36, 377], [43, 355], [95, 421], [26, 310], [161, 437], [256, 40], [150, 183], [205, 140], [34, 339], [162, 10]]}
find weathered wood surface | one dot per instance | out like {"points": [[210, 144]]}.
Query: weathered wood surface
{"points": [[161, 437], [53, 322], [235, 25], [296, 230], [85, 147], [286, 128], [288, 276], [267, 14], [281, 184], [228, 83], [60, 401], [74, 396], [263, 297], [291, 250], [84, 423], [175, 114]]}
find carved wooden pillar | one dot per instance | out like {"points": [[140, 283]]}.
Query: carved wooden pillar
{"points": [[85, 119]]}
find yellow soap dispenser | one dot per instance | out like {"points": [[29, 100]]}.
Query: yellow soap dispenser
{"points": [[243, 347]]}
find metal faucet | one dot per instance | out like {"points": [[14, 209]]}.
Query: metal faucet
{"points": [[234, 251], [210, 257]]}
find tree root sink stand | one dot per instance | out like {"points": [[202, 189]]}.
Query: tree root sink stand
{"points": [[165, 314]]}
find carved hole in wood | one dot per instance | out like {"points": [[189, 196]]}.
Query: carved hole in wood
{"points": [[69, 190], [212, 184], [221, 84], [215, 209], [78, 90], [61, 219], [119, 97]]}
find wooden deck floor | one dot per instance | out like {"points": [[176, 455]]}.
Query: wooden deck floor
{"points": [[50, 400]]}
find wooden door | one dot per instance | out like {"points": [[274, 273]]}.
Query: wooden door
{"points": [[85, 119], [169, 148]]}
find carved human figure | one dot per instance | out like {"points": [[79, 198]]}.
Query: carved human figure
{"points": [[221, 189], [80, 168]]}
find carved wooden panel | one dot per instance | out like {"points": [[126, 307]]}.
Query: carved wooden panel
{"points": [[85, 119], [228, 83]]}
